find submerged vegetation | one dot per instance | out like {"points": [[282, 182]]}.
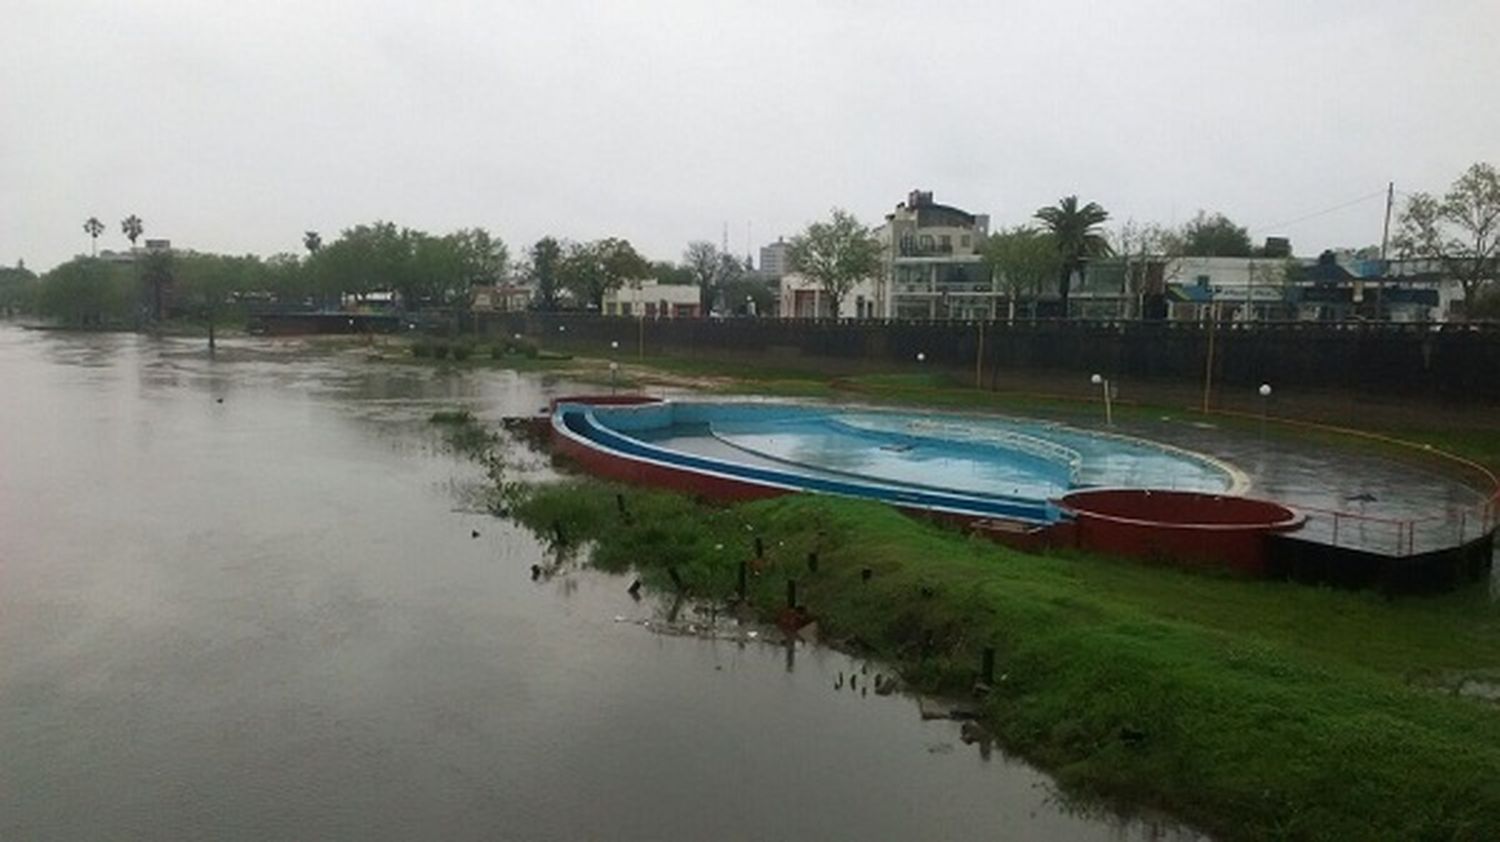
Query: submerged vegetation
{"points": [[1253, 710]]}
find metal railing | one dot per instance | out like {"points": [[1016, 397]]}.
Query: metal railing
{"points": [[1403, 536]]}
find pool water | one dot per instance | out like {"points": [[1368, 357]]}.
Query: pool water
{"points": [[1028, 459]]}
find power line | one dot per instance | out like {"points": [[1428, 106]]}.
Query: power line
{"points": [[1352, 202]]}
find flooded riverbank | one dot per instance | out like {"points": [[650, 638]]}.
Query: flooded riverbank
{"points": [[242, 598]]}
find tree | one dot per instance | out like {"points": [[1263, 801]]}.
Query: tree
{"points": [[157, 275], [203, 283], [589, 270], [85, 291], [1215, 236], [748, 296], [312, 241], [1461, 231], [836, 255], [93, 227], [1022, 258], [482, 258], [366, 258], [1141, 246], [546, 259], [1075, 233], [287, 278], [18, 288], [708, 269], [132, 228]]}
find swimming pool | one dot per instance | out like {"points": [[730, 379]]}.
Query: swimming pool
{"points": [[983, 466]]}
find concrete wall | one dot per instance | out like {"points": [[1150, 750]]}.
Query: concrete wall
{"points": [[1455, 363]]}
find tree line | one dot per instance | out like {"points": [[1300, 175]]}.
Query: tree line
{"points": [[1458, 232]]}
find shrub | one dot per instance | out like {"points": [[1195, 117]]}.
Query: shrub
{"points": [[462, 351], [440, 350], [451, 416]]}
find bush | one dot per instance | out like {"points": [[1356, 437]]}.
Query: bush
{"points": [[440, 350], [462, 351], [498, 352], [421, 348], [522, 346], [452, 416]]}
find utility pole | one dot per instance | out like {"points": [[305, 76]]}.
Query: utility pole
{"points": [[1385, 239]]}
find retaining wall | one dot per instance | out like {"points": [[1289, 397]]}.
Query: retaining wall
{"points": [[1452, 363]]}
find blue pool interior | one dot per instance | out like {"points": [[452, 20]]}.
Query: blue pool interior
{"points": [[989, 466]]}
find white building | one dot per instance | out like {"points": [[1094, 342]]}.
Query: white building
{"points": [[930, 268], [654, 300], [803, 298], [931, 265]]}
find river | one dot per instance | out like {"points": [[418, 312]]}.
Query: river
{"points": [[241, 598]]}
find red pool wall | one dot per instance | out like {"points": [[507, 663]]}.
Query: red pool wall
{"points": [[622, 468], [1179, 527]]}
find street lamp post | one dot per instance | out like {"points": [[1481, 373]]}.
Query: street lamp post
{"points": [[1265, 400], [1109, 413], [614, 373]]}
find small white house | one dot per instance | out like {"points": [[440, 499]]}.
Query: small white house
{"points": [[803, 298], [654, 300]]}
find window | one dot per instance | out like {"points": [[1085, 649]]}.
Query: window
{"points": [[1202, 282], [926, 242], [947, 243], [964, 241]]}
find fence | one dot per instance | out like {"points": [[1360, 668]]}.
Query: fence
{"points": [[1455, 363]]}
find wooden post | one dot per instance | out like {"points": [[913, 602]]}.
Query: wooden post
{"points": [[987, 666], [1208, 372], [791, 593], [979, 359], [744, 571]]}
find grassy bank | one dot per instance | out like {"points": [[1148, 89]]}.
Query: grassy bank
{"points": [[1252, 710]]}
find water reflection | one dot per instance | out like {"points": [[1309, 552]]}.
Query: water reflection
{"points": [[271, 617]]}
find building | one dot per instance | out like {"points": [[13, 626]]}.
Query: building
{"points": [[932, 267], [1338, 287], [508, 297], [137, 253], [801, 297], [654, 300], [1183, 288], [774, 259]]}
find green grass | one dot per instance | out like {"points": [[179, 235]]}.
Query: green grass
{"points": [[1252, 710], [452, 416]]}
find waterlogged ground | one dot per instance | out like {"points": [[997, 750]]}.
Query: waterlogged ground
{"points": [[241, 598]]}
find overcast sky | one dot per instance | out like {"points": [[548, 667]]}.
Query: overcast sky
{"points": [[234, 127]]}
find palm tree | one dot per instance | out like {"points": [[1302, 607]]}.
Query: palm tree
{"points": [[1076, 231], [312, 241], [93, 227], [132, 227]]}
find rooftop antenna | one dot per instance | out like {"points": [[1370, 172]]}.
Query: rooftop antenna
{"points": [[724, 243]]}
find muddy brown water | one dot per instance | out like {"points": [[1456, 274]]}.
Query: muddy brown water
{"points": [[240, 599]]}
